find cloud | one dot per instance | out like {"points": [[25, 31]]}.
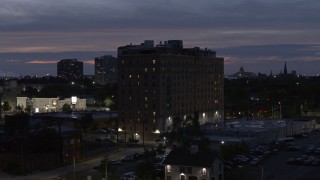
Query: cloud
{"points": [[90, 62], [42, 62], [13, 61]]}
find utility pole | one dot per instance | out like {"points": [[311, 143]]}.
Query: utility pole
{"points": [[106, 170], [0, 104]]}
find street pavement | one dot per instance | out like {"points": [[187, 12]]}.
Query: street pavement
{"points": [[80, 168]]}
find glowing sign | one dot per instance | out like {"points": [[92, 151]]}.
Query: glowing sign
{"points": [[74, 100]]}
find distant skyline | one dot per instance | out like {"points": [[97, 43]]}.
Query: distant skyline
{"points": [[258, 35]]}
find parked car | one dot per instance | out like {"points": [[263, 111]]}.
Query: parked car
{"points": [[291, 161], [254, 161], [128, 176], [128, 158], [316, 162], [293, 148], [115, 162], [317, 151]]}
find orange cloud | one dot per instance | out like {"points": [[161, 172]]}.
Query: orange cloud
{"points": [[42, 62], [89, 61]]}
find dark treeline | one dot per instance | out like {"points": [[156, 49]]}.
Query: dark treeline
{"points": [[257, 97]]}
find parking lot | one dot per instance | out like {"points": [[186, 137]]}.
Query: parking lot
{"points": [[276, 167]]}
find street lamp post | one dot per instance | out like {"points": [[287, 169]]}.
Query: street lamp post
{"points": [[143, 132], [106, 170], [280, 110], [74, 158]]}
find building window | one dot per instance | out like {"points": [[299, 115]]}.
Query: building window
{"points": [[189, 170], [154, 61], [145, 69], [169, 168], [145, 98], [182, 169]]}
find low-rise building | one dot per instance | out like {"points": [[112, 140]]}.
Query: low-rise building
{"points": [[50, 104], [192, 164]]}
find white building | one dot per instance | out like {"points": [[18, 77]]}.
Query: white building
{"points": [[182, 164], [50, 104]]}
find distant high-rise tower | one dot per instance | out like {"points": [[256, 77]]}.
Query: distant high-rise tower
{"points": [[285, 72], [105, 70], [70, 69]]}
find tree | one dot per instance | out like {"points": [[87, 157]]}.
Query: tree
{"points": [[176, 123], [45, 140], [66, 107], [6, 106], [18, 108], [28, 109], [145, 170], [108, 102]]}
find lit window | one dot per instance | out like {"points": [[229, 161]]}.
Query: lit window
{"points": [[130, 76], [138, 76], [168, 168], [146, 98], [154, 61], [154, 69], [130, 98], [145, 69], [154, 114]]}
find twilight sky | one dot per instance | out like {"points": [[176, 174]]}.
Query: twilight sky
{"points": [[257, 34]]}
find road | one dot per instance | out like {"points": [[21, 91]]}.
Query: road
{"points": [[82, 169]]}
